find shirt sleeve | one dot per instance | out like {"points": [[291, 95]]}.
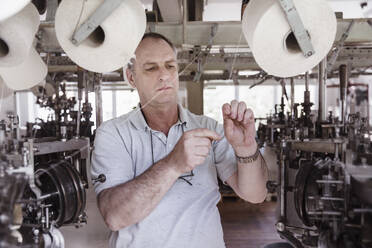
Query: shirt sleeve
{"points": [[111, 158], [224, 156]]}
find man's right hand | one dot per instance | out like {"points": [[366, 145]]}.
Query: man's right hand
{"points": [[192, 149]]}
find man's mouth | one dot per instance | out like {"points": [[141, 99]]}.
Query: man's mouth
{"points": [[165, 88]]}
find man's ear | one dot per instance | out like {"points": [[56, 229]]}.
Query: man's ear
{"points": [[130, 77]]}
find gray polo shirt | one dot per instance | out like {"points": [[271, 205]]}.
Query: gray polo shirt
{"points": [[187, 216]]}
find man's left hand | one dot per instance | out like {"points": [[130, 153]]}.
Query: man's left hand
{"points": [[239, 127]]}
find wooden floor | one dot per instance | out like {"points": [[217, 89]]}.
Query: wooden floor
{"points": [[248, 225]]}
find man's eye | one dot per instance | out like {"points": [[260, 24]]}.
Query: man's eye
{"points": [[171, 66], [150, 69]]}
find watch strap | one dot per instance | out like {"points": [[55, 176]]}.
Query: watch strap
{"points": [[249, 159]]}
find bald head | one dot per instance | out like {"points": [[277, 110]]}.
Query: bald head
{"points": [[147, 40], [157, 36]]}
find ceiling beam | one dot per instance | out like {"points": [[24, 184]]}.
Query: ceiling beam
{"points": [[229, 33]]}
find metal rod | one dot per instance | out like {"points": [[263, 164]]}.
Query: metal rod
{"points": [[52, 6], [43, 197], [322, 114], [31, 166], [330, 181], [81, 83], [86, 91], [362, 210], [307, 76], [324, 213], [97, 18], [98, 92], [205, 75], [332, 198], [78, 117], [335, 53], [184, 22], [343, 88], [282, 182], [327, 198], [292, 96], [297, 27], [47, 218], [316, 146]]}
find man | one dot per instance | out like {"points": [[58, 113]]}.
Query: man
{"points": [[161, 162]]}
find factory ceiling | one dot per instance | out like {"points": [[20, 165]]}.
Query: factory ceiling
{"points": [[206, 46]]}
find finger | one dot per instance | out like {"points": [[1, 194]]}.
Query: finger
{"points": [[241, 109], [248, 116], [228, 126], [202, 151], [206, 133], [226, 110], [206, 142], [234, 109]]}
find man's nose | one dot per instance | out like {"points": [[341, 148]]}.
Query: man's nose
{"points": [[164, 74]]}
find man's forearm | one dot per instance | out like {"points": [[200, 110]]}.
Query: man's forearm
{"points": [[252, 180], [252, 177], [129, 203]]}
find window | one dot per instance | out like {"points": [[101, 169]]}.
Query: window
{"points": [[261, 99], [126, 100], [114, 103]]}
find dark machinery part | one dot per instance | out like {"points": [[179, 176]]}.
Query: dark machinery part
{"points": [[324, 183], [42, 187], [41, 6], [343, 88], [11, 189], [66, 193], [66, 122], [101, 178], [343, 81], [15, 173]]}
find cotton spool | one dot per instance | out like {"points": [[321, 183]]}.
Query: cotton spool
{"points": [[10, 8], [4, 91], [112, 44], [16, 36], [274, 46], [30, 72]]}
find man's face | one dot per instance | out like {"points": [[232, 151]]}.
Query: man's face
{"points": [[155, 72]]}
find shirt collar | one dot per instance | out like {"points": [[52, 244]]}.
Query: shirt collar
{"points": [[139, 121], [183, 116], [137, 118]]}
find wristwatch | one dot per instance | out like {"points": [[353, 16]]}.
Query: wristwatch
{"points": [[250, 159]]}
